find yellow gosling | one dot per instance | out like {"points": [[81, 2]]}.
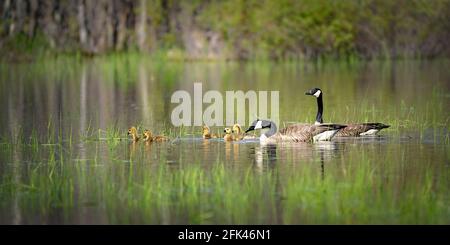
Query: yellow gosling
{"points": [[237, 130], [134, 135], [228, 135], [239, 133], [148, 137], [206, 133]]}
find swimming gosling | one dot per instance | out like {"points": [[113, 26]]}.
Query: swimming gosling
{"points": [[228, 135], [148, 137], [206, 133], [239, 133], [134, 134]]}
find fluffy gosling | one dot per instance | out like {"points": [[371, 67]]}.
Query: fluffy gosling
{"points": [[134, 134], [228, 135], [206, 133], [148, 137]]}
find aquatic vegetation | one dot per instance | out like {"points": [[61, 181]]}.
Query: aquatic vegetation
{"points": [[352, 190]]}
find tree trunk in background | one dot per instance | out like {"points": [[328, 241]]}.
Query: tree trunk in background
{"points": [[141, 26], [20, 15], [120, 27], [5, 16], [47, 23], [165, 25], [82, 30], [110, 24], [9, 15], [91, 16], [33, 16]]}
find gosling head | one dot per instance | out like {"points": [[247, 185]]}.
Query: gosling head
{"points": [[316, 92], [237, 128], [133, 132], [227, 131], [147, 135]]}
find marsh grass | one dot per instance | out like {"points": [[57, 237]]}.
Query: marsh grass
{"points": [[356, 191]]}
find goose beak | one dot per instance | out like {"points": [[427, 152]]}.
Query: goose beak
{"points": [[309, 92], [251, 128]]}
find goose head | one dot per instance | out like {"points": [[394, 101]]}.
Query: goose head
{"points": [[258, 124], [316, 92]]}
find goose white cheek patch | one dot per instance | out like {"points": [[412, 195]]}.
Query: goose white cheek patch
{"points": [[317, 94], [258, 125]]}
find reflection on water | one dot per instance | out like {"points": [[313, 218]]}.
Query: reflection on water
{"points": [[74, 166]]}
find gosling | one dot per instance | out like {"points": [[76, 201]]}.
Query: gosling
{"points": [[148, 137], [239, 133], [228, 135], [134, 135], [206, 133]]}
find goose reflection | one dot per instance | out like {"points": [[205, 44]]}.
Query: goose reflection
{"points": [[325, 151], [270, 155], [260, 161]]}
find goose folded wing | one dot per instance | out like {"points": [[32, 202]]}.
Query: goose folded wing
{"points": [[359, 128], [305, 132]]}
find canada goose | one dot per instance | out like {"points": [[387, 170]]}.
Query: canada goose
{"points": [[134, 135], [228, 136], [239, 133], [354, 129], [148, 137], [295, 132], [206, 133]]}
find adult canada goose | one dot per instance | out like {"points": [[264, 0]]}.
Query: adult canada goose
{"points": [[239, 133], [295, 132], [134, 135], [228, 135], [148, 137], [354, 129], [206, 133]]}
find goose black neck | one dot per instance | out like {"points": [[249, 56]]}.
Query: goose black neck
{"points": [[319, 118]]}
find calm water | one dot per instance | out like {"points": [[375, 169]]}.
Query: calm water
{"points": [[64, 158]]}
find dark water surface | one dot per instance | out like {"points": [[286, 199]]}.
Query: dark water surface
{"points": [[64, 158]]}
